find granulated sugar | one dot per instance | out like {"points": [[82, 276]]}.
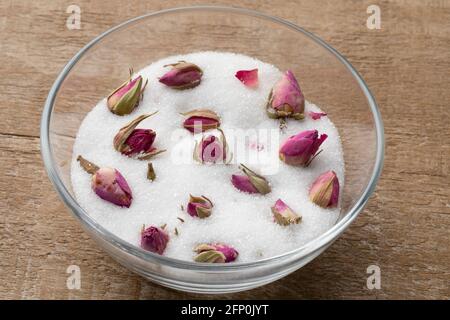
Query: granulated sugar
{"points": [[241, 220]]}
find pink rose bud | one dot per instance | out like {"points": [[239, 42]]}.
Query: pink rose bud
{"points": [[301, 148], [200, 207], [211, 149], [136, 142], [248, 77], [215, 253], [286, 99], [108, 183], [284, 215], [126, 98], [316, 115], [325, 190], [183, 75], [250, 182], [200, 120], [154, 239]]}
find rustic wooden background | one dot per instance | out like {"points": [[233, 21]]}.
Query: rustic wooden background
{"points": [[404, 229]]}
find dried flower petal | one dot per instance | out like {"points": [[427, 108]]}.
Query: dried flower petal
{"points": [[325, 190], [316, 115], [125, 98], [154, 239], [183, 75], [251, 182], [136, 142], [286, 98], [151, 175], [200, 120], [284, 215], [248, 77], [200, 207], [215, 253], [301, 148]]}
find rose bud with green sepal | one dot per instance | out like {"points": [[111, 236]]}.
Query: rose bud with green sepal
{"points": [[136, 142], [215, 253], [200, 120], [301, 148], [183, 75], [200, 207], [250, 182], [108, 183], [286, 99], [325, 190], [283, 214]]}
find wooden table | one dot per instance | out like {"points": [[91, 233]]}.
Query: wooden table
{"points": [[404, 229]]}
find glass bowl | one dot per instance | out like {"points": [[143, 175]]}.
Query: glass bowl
{"points": [[327, 80]]}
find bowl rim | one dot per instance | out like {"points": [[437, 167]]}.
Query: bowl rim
{"points": [[311, 246]]}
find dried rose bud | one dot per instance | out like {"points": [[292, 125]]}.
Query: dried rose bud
{"points": [[108, 183], [184, 75], [200, 120], [248, 77], [316, 115], [126, 98], [325, 190], [199, 207], [136, 142], [212, 149], [286, 98], [250, 182], [301, 148], [215, 253], [284, 215], [154, 239]]}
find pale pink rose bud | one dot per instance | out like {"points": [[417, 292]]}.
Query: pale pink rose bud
{"points": [[250, 182], [154, 239], [284, 215], [200, 207], [108, 183], [126, 98], [136, 142], [286, 98], [200, 120], [183, 75], [325, 190], [248, 77], [215, 253], [212, 149], [301, 148]]}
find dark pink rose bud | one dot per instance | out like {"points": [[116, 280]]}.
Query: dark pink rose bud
{"points": [[108, 183], [183, 75], [248, 77], [125, 98], [154, 239], [283, 214], [212, 149], [301, 148], [316, 115], [325, 190], [215, 253], [286, 99], [250, 182], [200, 120], [200, 207], [136, 142]]}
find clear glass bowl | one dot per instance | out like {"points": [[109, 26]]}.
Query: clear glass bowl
{"points": [[327, 80]]}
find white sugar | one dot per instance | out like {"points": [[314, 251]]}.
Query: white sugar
{"points": [[239, 219]]}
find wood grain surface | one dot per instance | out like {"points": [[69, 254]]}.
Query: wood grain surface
{"points": [[404, 229]]}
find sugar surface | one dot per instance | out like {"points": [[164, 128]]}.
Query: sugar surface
{"points": [[241, 220]]}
